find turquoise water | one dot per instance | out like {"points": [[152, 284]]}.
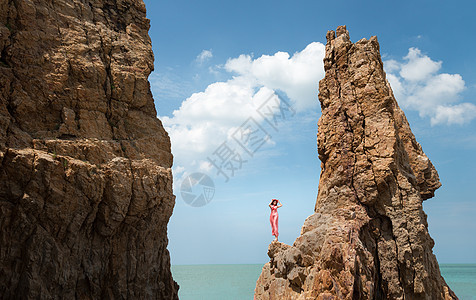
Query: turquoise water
{"points": [[216, 282], [461, 279], [237, 282]]}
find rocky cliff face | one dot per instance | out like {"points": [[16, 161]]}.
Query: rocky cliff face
{"points": [[368, 237], [85, 178]]}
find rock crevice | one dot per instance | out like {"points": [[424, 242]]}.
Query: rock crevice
{"points": [[368, 237]]}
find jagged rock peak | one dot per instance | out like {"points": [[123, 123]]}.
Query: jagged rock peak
{"points": [[85, 165], [368, 237]]}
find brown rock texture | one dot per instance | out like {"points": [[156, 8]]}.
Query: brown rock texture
{"points": [[85, 165], [368, 237]]}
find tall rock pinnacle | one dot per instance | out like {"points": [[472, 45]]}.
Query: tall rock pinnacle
{"points": [[368, 237], [85, 165]]}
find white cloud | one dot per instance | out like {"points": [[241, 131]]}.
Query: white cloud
{"points": [[455, 114], [214, 70], [391, 65], [204, 56], [418, 67], [207, 119], [418, 85], [298, 76], [437, 90]]}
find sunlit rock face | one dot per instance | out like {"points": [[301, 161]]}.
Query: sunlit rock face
{"points": [[368, 237], [85, 165]]}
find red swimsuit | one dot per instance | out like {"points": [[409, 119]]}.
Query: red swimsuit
{"points": [[273, 219]]}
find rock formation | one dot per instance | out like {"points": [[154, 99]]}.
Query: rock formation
{"points": [[368, 237], [85, 165]]}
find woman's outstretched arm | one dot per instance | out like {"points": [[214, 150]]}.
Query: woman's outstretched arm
{"points": [[279, 203]]}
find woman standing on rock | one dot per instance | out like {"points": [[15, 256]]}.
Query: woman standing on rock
{"points": [[273, 218]]}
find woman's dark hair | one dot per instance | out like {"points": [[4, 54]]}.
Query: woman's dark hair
{"points": [[275, 202]]}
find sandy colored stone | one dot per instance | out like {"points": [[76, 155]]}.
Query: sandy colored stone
{"points": [[85, 165], [368, 237]]}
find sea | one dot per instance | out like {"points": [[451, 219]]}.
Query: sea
{"points": [[237, 282]]}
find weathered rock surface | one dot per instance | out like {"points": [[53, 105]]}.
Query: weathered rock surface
{"points": [[85, 165], [368, 237]]}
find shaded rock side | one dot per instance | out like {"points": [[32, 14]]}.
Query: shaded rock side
{"points": [[85, 165], [368, 237]]}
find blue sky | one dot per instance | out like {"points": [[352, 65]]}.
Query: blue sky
{"points": [[216, 62]]}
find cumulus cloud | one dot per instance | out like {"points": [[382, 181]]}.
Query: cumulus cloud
{"points": [[418, 85], [204, 56], [418, 67], [454, 114], [297, 76], [207, 119]]}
